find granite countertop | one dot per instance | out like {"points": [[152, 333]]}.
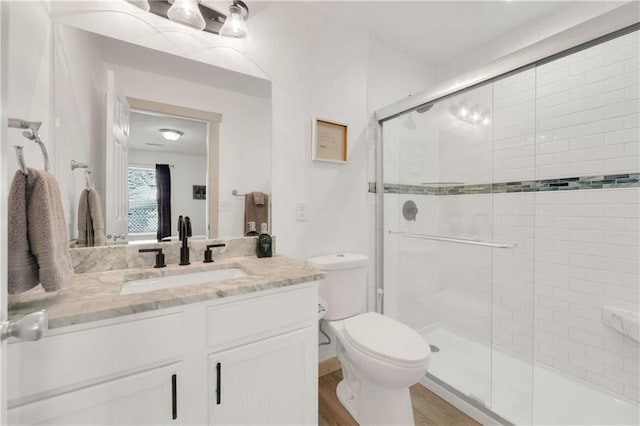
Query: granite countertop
{"points": [[96, 296]]}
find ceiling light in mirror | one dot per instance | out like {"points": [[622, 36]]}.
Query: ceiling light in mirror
{"points": [[475, 115], [186, 12], [171, 134]]}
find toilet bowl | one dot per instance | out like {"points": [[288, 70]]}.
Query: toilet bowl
{"points": [[380, 357]]}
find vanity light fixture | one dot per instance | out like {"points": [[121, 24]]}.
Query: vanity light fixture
{"points": [[186, 12], [141, 4], [235, 25], [171, 134], [200, 17]]}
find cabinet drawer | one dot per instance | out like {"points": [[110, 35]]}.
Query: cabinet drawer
{"points": [[81, 358], [240, 322], [140, 399]]}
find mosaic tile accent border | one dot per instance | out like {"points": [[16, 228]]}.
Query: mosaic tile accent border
{"points": [[623, 180]]}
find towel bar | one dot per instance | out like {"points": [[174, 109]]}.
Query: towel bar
{"points": [[455, 240]]}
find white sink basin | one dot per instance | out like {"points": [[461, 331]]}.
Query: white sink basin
{"points": [[173, 281]]}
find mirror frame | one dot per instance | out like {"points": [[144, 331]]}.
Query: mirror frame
{"points": [[213, 149]]}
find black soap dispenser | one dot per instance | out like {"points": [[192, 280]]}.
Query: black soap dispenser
{"points": [[264, 242]]}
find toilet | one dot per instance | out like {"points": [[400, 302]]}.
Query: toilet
{"points": [[380, 357]]}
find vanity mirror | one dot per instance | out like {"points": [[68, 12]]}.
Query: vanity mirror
{"points": [[123, 109]]}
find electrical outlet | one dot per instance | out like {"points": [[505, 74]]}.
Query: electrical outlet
{"points": [[302, 208]]}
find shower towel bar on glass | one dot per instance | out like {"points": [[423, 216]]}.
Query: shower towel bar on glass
{"points": [[455, 240]]}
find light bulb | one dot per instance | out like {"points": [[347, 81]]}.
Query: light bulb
{"points": [[486, 121], [475, 117], [463, 112], [186, 12], [234, 26]]}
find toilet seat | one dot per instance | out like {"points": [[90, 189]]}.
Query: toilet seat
{"points": [[386, 339]]}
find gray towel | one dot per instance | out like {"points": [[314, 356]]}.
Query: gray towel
{"points": [[46, 230], [22, 264], [254, 212], [258, 198], [90, 219]]}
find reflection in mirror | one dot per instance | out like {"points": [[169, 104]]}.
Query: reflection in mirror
{"points": [[180, 143], [156, 85]]}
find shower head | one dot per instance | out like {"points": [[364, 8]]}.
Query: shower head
{"points": [[424, 108]]}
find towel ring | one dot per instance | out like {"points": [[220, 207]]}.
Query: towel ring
{"points": [[32, 132], [77, 165]]}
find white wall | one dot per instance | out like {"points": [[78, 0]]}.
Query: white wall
{"points": [[188, 170], [30, 76], [567, 16], [78, 96]]}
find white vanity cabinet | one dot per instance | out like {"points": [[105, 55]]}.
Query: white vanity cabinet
{"points": [[249, 359], [264, 383], [144, 398], [262, 362]]}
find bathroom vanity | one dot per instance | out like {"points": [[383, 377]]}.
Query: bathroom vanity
{"points": [[236, 351]]}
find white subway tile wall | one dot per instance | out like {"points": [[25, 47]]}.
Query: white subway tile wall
{"points": [[587, 256], [586, 110], [576, 250]]}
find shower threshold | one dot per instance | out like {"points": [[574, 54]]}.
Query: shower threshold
{"points": [[514, 389]]}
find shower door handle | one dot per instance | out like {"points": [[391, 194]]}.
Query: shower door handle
{"points": [[30, 327]]}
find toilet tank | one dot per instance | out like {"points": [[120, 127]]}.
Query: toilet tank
{"points": [[345, 286]]}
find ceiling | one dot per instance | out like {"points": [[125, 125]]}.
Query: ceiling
{"points": [[144, 130], [440, 31]]}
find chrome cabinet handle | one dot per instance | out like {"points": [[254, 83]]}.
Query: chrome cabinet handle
{"points": [[29, 327]]}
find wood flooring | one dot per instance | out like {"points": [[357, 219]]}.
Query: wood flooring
{"points": [[428, 408]]}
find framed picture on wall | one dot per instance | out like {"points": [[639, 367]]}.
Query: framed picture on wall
{"points": [[199, 192], [328, 141]]}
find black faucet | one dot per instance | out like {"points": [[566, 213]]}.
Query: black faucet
{"points": [[208, 255], [184, 250], [159, 256], [180, 227]]}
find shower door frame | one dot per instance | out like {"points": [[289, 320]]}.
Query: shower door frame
{"points": [[613, 24]]}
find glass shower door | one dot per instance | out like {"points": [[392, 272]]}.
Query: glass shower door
{"points": [[438, 217], [514, 160]]}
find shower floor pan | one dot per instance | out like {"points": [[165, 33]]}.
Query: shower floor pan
{"points": [[502, 382]]}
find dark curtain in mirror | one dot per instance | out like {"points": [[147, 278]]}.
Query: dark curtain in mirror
{"points": [[163, 183]]}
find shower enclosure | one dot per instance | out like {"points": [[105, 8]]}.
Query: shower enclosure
{"points": [[510, 214]]}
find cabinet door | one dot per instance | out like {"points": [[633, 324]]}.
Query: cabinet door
{"points": [[273, 381], [148, 398]]}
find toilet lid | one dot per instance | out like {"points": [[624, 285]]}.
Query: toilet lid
{"points": [[387, 338]]}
